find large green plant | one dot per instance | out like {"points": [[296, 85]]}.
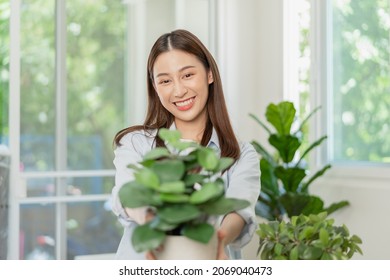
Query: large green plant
{"points": [[284, 175], [312, 237], [182, 184]]}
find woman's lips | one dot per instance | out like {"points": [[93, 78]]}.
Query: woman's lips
{"points": [[185, 104]]}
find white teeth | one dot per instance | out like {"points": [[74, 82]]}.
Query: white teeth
{"points": [[184, 103]]}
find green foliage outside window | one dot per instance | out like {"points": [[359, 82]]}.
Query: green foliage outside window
{"points": [[361, 80], [95, 78]]}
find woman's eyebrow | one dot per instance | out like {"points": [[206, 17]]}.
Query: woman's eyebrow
{"points": [[180, 70]]}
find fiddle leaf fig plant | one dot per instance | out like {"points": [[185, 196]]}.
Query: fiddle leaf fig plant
{"points": [[312, 237], [183, 186], [285, 177]]}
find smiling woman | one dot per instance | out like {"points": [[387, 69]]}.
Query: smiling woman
{"points": [[185, 94]]}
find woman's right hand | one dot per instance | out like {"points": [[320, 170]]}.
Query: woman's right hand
{"points": [[140, 215]]}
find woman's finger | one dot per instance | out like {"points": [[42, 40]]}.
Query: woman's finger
{"points": [[150, 255]]}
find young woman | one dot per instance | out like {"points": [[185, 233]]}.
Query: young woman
{"points": [[185, 93]]}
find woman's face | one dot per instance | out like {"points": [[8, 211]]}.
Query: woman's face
{"points": [[182, 84]]}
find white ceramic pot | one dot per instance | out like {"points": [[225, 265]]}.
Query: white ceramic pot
{"points": [[183, 248]]}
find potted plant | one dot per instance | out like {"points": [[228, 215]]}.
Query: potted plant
{"points": [[312, 237], [285, 177], [182, 184]]}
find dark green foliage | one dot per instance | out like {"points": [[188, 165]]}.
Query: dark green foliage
{"points": [[284, 177], [312, 237]]}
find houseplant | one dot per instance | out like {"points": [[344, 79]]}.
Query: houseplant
{"points": [[182, 184], [285, 177], [312, 237]]}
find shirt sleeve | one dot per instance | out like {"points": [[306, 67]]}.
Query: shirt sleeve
{"points": [[244, 183], [129, 152]]}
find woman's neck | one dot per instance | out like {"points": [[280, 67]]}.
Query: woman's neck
{"points": [[190, 130]]}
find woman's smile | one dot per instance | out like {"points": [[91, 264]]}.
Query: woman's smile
{"points": [[185, 104]]}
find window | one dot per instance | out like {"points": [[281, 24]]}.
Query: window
{"points": [[361, 80], [72, 87], [352, 63], [76, 74]]}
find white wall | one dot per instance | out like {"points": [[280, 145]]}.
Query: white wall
{"points": [[368, 213], [250, 60], [251, 63]]}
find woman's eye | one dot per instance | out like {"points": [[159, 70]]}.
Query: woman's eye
{"points": [[164, 82], [188, 75]]}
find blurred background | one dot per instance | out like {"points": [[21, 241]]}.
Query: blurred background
{"points": [[72, 73]]}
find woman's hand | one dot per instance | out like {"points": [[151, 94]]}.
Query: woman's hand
{"points": [[150, 255], [140, 215]]}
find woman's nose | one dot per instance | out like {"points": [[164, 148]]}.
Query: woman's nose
{"points": [[180, 90]]}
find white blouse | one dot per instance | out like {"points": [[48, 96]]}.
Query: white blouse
{"points": [[242, 180]]}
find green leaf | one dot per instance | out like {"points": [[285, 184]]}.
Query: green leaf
{"points": [[266, 230], [287, 145], [169, 136], [183, 145], [306, 233], [326, 256], [200, 232], [318, 174], [156, 153], [296, 203], [208, 191], [191, 179], [356, 239], [314, 206], [207, 158], [312, 146], [174, 197], [162, 225], [133, 195], [336, 206], [172, 187], [147, 177], [290, 177], [269, 182], [223, 164], [145, 238], [281, 116], [324, 236], [169, 170], [312, 253], [294, 253], [224, 205], [179, 213], [278, 249]]}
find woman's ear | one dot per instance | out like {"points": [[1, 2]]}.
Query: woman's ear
{"points": [[210, 77]]}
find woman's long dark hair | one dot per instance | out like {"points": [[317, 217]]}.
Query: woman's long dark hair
{"points": [[158, 117]]}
